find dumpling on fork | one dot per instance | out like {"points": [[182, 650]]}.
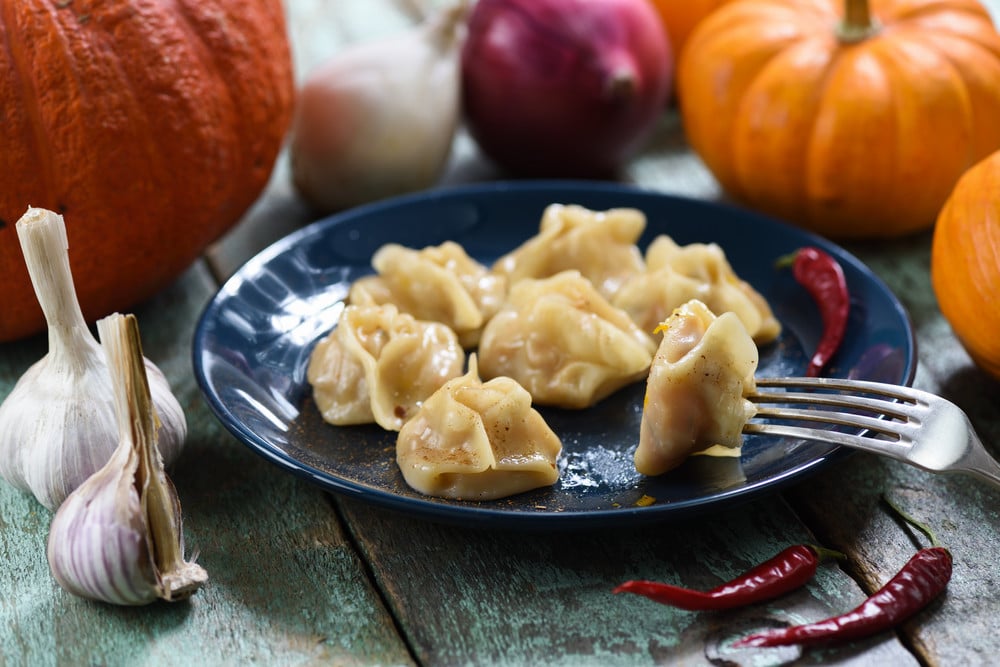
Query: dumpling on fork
{"points": [[378, 365], [477, 441], [696, 389]]}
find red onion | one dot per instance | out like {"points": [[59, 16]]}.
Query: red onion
{"points": [[568, 88]]}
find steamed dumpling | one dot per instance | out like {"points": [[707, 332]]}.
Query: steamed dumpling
{"points": [[676, 274], [695, 393], [601, 245], [438, 284], [477, 441], [564, 342], [378, 365]]}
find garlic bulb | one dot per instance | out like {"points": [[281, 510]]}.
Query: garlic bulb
{"points": [[118, 537], [379, 118], [57, 425]]}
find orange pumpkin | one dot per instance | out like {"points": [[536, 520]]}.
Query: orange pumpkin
{"points": [[853, 124], [965, 262], [152, 126], [681, 16]]}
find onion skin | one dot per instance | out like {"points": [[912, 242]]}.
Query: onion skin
{"points": [[564, 88]]}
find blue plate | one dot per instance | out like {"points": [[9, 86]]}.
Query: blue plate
{"points": [[253, 341]]}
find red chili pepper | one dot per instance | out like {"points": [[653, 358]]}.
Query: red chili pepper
{"points": [[781, 574], [923, 578], [824, 279]]}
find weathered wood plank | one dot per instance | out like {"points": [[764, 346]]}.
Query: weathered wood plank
{"points": [[285, 587], [469, 596]]}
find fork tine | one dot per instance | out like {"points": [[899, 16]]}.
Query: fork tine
{"points": [[898, 392], [878, 406], [885, 426], [893, 448]]}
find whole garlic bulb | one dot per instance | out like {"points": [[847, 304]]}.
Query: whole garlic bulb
{"points": [[57, 425], [118, 537]]}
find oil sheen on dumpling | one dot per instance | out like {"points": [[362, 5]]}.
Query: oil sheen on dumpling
{"points": [[477, 441], [601, 245], [438, 284], [695, 393], [676, 274], [564, 342], [378, 365]]}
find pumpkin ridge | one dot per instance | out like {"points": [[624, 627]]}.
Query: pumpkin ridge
{"points": [[731, 180], [897, 49], [904, 12], [257, 159], [745, 166], [44, 170], [207, 58]]}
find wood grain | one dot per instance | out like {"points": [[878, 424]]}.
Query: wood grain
{"points": [[468, 596]]}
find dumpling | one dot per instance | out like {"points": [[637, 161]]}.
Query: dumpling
{"points": [[697, 387], [477, 441], [378, 365], [438, 284], [564, 342], [601, 245], [676, 274]]}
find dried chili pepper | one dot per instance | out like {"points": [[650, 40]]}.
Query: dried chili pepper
{"points": [[824, 279], [783, 573], [921, 580]]}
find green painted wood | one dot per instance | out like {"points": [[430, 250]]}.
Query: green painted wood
{"points": [[469, 596], [285, 584]]}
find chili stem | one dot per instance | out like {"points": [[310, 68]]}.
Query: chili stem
{"points": [[919, 525]]}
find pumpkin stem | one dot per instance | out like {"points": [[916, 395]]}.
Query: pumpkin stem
{"points": [[858, 23]]}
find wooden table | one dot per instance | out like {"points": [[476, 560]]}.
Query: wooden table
{"points": [[301, 577]]}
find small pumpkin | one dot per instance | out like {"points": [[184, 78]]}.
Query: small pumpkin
{"points": [[965, 262], [853, 120], [152, 126]]}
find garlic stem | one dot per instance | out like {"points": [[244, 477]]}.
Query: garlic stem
{"points": [[57, 425], [136, 413], [45, 246]]}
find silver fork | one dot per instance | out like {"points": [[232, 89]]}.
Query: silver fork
{"points": [[906, 424]]}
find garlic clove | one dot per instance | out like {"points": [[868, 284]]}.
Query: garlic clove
{"points": [[119, 536], [57, 425]]}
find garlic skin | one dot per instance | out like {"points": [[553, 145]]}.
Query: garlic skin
{"points": [[57, 425], [379, 118], [118, 537]]}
